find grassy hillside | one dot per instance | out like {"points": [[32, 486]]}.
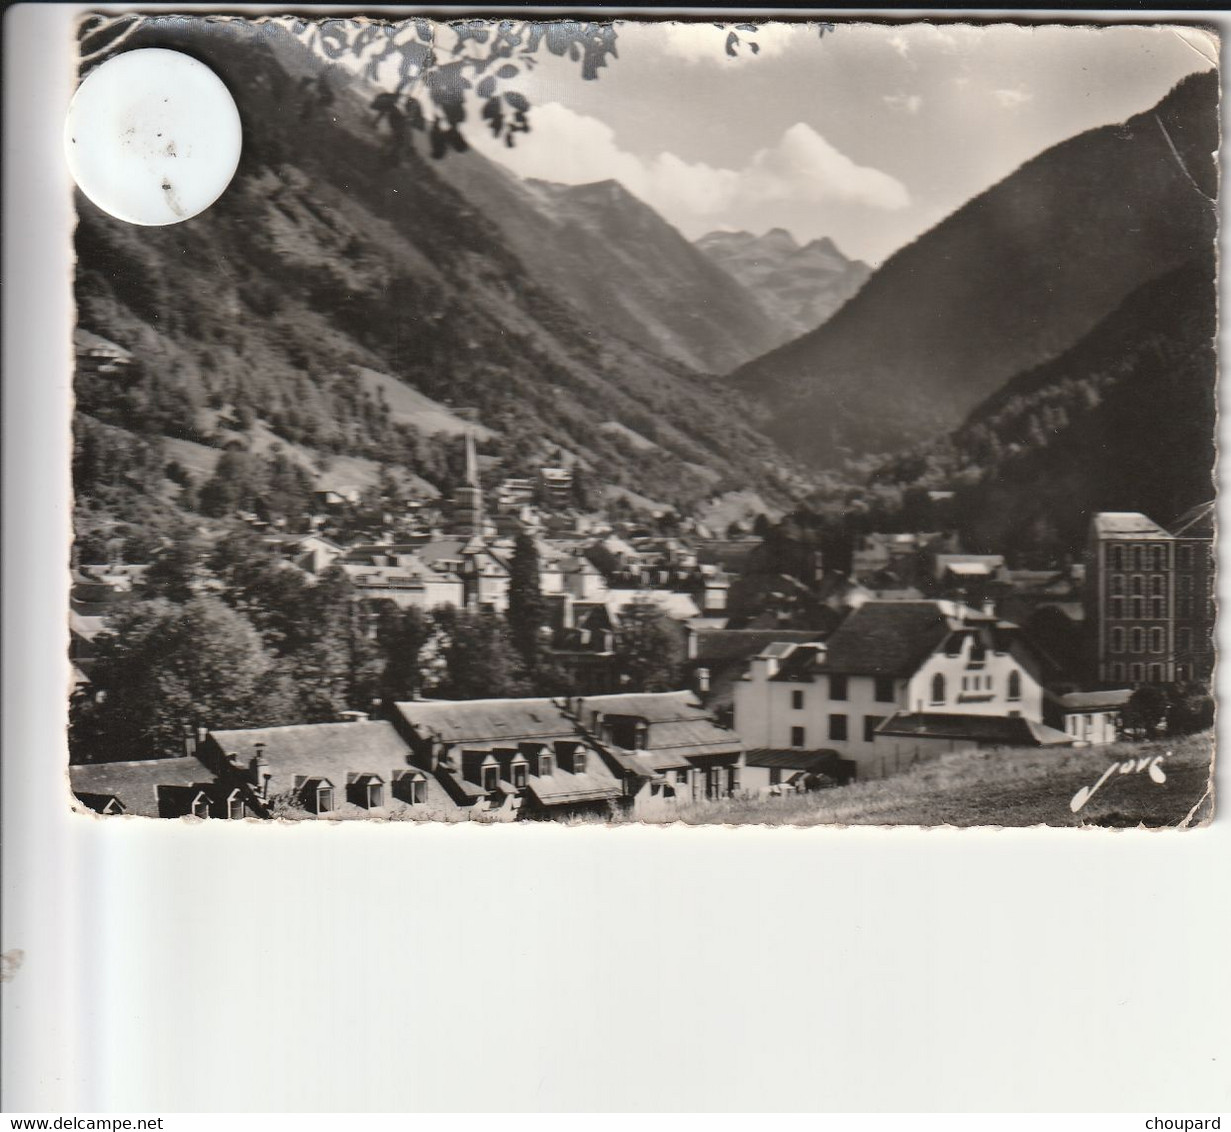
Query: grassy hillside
{"points": [[1003, 788], [1012, 279]]}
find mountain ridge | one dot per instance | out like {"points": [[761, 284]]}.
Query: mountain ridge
{"points": [[1013, 277]]}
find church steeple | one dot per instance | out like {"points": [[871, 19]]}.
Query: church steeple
{"points": [[467, 502], [472, 462]]}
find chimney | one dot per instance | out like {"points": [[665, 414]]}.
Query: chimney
{"points": [[259, 771], [190, 741], [989, 607], [703, 681]]}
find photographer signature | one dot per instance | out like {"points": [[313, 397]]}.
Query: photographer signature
{"points": [[1151, 764]]}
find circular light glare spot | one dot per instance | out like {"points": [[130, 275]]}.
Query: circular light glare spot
{"points": [[152, 137]]}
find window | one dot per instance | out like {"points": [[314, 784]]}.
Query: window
{"points": [[1015, 685], [870, 724], [200, 807], [1157, 585], [519, 775], [1117, 583], [418, 791], [1186, 641], [491, 778], [938, 689], [1160, 558], [837, 687], [1156, 640], [323, 799], [1135, 672], [1139, 585], [837, 727], [1117, 639], [1115, 557], [1139, 640], [1185, 607], [797, 698], [797, 736], [1139, 608], [1139, 558], [775, 776], [545, 767], [1156, 673], [884, 690], [1117, 608], [579, 760], [1117, 672], [375, 795], [236, 810], [1158, 607], [681, 777], [1186, 558]]}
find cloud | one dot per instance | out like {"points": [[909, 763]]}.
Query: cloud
{"points": [[910, 103], [800, 169], [925, 36], [1013, 98], [706, 42]]}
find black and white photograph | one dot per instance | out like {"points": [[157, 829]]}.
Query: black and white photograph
{"points": [[785, 423]]}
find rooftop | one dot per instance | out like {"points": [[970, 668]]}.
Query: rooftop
{"points": [[333, 751], [885, 638], [1004, 731], [1088, 701], [1126, 524], [813, 762], [498, 722], [137, 784], [718, 645]]}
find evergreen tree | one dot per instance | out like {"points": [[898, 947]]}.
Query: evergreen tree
{"points": [[649, 649], [527, 609], [402, 634], [480, 659]]}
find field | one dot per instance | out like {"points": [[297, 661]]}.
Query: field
{"points": [[1005, 788]]}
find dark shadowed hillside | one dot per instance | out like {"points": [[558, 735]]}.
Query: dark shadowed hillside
{"points": [[1122, 421], [251, 324], [1013, 278], [621, 266], [801, 287]]}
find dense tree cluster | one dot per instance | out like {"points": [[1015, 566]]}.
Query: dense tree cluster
{"points": [[230, 635]]}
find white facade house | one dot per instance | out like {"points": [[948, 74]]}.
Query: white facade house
{"points": [[885, 658], [1092, 717]]}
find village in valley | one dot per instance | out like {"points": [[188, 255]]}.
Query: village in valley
{"points": [[661, 700], [411, 485]]}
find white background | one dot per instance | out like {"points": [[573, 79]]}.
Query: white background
{"points": [[210, 968]]}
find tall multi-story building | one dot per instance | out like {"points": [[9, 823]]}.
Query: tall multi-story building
{"points": [[1150, 597]]}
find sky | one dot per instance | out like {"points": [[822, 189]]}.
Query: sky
{"points": [[868, 134]]}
